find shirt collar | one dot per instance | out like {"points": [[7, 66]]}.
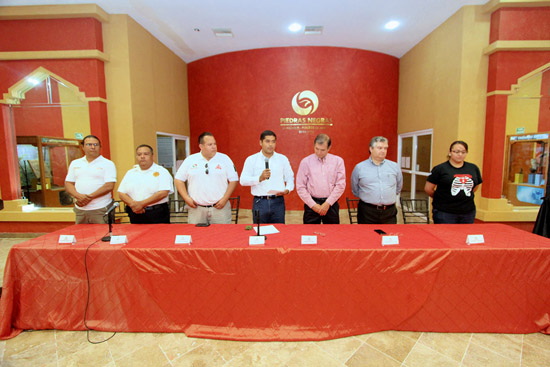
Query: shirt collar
{"points": [[372, 162]]}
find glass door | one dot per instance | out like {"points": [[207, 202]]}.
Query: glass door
{"points": [[415, 160]]}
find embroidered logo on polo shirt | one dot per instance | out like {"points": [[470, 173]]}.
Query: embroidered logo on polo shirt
{"points": [[218, 167], [156, 174], [194, 166]]}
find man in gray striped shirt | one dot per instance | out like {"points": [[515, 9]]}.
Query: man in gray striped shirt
{"points": [[377, 181]]}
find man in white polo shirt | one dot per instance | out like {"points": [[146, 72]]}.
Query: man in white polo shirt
{"points": [[90, 181], [211, 178], [145, 189]]}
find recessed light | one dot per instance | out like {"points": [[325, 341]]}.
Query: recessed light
{"points": [[295, 27], [392, 24]]}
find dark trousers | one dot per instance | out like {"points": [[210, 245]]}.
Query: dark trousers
{"points": [[370, 214], [451, 218], [272, 209], [159, 213], [332, 216]]}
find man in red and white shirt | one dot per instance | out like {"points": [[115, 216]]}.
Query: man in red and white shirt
{"points": [[211, 178], [320, 182]]}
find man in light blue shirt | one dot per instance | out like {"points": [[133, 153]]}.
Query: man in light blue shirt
{"points": [[377, 181]]}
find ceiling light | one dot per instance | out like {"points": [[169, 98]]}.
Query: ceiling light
{"points": [[392, 24], [295, 27]]}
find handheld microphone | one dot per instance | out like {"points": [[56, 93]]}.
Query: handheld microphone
{"points": [[115, 205], [267, 165]]}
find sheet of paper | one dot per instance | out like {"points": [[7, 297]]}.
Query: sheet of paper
{"points": [[119, 240], [256, 240], [182, 239], [390, 240], [269, 229], [475, 239], [309, 240], [67, 238]]}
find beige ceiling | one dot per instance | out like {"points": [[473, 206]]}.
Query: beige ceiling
{"points": [[185, 26]]}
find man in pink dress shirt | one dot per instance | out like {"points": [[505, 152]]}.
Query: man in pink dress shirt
{"points": [[320, 182]]}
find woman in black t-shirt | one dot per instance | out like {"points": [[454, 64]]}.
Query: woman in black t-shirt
{"points": [[456, 182]]}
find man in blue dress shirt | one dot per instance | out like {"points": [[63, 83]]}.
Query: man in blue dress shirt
{"points": [[377, 182]]}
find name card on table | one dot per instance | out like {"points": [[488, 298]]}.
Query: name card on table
{"points": [[67, 238], [256, 240], [390, 240], [474, 239], [309, 240], [119, 240], [183, 239]]}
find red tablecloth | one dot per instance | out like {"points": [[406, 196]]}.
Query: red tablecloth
{"points": [[219, 287]]}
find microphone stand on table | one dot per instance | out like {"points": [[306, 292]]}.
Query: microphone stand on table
{"points": [[257, 215], [110, 220]]}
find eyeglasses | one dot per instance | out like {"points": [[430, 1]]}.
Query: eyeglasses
{"points": [[459, 152], [206, 168], [89, 145]]}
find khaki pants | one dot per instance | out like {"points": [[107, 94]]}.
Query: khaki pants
{"points": [[210, 215], [91, 216]]}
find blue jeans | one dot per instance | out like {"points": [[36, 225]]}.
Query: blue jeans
{"points": [[450, 218], [271, 210]]}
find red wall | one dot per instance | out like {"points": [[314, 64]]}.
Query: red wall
{"points": [[238, 95], [88, 74], [51, 34], [520, 24], [505, 67], [44, 121]]}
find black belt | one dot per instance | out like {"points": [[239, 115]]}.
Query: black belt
{"points": [[155, 207], [319, 199], [206, 206], [268, 197], [379, 207]]}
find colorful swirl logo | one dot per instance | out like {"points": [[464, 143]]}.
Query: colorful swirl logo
{"points": [[305, 103]]}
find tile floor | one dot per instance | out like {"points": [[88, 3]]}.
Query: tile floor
{"points": [[53, 348]]}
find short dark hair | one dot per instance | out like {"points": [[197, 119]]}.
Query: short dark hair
{"points": [[463, 143], [145, 146], [321, 138], [91, 136], [267, 133], [201, 136]]}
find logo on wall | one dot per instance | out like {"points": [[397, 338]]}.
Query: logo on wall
{"points": [[305, 103]]}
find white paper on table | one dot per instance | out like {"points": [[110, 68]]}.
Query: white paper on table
{"points": [[274, 192], [309, 240], [390, 240], [256, 240], [475, 239], [183, 239], [67, 238], [270, 229], [119, 240]]}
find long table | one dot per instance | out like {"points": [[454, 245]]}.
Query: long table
{"points": [[220, 287]]}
